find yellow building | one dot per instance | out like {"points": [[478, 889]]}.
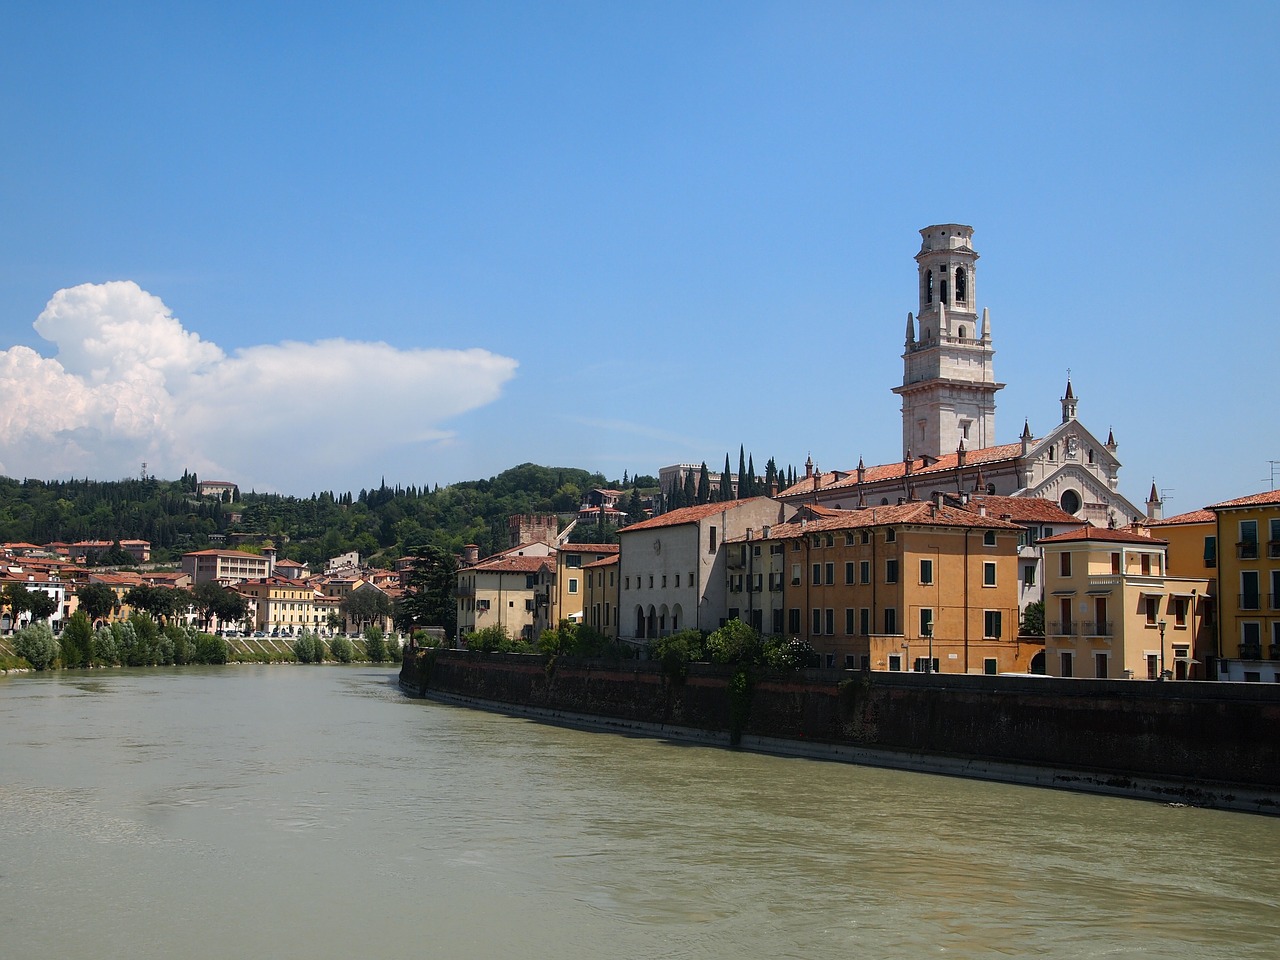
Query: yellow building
{"points": [[281, 605], [602, 592], [567, 590], [917, 586], [1113, 610], [1248, 539], [502, 590]]}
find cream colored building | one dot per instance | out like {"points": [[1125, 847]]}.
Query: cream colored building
{"points": [[281, 605], [1113, 610], [501, 590], [225, 566]]}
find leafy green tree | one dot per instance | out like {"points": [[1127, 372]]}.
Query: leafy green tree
{"points": [[36, 645], [491, 639], [788, 654], [104, 648], [1033, 619], [341, 649], [97, 600], [365, 605], [428, 599], [210, 649], [735, 642], [163, 603], [308, 647], [77, 641], [676, 651], [375, 644], [214, 600], [114, 556]]}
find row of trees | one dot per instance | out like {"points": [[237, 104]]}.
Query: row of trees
{"points": [[702, 489]]}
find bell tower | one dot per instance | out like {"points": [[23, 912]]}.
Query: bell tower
{"points": [[948, 385]]}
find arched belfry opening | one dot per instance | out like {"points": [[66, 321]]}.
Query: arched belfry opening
{"points": [[928, 286], [962, 286]]}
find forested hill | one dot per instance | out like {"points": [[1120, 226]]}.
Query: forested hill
{"points": [[383, 521]]}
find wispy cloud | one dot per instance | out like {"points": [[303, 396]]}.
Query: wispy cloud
{"points": [[129, 383]]}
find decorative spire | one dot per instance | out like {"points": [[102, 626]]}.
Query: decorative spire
{"points": [[1155, 506], [1026, 430], [911, 328], [1068, 402], [986, 324], [1111, 440], [942, 320]]}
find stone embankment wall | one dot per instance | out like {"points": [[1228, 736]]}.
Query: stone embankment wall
{"points": [[1215, 744]]}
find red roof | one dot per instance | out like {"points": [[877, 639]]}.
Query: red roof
{"points": [[510, 565], [675, 518], [606, 562], [1253, 500], [1022, 509], [917, 513], [1103, 534], [589, 548], [845, 479], [1193, 516]]}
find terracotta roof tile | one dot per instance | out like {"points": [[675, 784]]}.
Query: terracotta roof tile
{"points": [[845, 479], [1252, 500], [606, 562], [511, 565], [1024, 509], [693, 514], [916, 513], [1193, 516], [1103, 534]]}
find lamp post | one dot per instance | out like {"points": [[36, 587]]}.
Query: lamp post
{"points": [[1161, 625], [928, 632]]}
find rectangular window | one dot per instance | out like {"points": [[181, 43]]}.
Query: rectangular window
{"points": [[1179, 611], [793, 620], [1100, 666], [664, 579], [848, 538], [830, 621], [848, 572], [1248, 543], [1064, 564], [817, 575], [1115, 564], [711, 540], [926, 621], [830, 574], [1028, 574], [891, 571], [795, 574], [849, 623], [926, 571], [817, 621], [1249, 592], [573, 561], [777, 621], [1152, 605], [991, 624], [1273, 542], [989, 538], [864, 571], [891, 621], [988, 573], [864, 621], [1144, 564], [677, 580], [626, 583], [1065, 664], [990, 666], [890, 535], [895, 661]]}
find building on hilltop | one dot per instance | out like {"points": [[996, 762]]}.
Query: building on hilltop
{"points": [[948, 415]]}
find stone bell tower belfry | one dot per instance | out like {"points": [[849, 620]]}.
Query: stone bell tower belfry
{"points": [[948, 384]]}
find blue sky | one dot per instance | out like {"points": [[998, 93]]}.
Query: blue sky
{"points": [[309, 246]]}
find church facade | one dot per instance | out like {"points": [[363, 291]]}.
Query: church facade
{"points": [[948, 396]]}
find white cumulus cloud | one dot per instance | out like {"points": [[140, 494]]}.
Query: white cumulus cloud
{"points": [[129, 383]]}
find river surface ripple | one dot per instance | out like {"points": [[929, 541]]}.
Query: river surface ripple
{"points": [[317, 812]]}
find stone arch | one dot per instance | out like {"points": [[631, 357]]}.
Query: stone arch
{"points": [[662, 621], [928, 286], [677, 614], [962, 331], [651, 623], [640, 634], [1037, 664]]}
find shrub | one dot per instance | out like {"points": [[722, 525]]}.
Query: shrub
{"points": [[488, 639], [341, 649], [104, 647], [36, 645], [76, 641], [210, 649], [374, 644], [735, 642], [792, 654], [676, 651], [308, 647]]}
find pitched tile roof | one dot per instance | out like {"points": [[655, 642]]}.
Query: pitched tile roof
{"points": [[503, 564], [1193, 516], [1104, 534], [1024, 509], [845, 479], [694, 514], [1253, 500], [606, 562], [915, 513], [589, 548]]}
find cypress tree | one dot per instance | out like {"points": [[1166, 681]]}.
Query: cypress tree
{"points": [[751, 478], [704, 484], [726, 484]]}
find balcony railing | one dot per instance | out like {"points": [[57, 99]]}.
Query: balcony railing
{"points": [[1250, 601], [1273, 549], [1061, 628], [1247, 549], [1099, 628]]}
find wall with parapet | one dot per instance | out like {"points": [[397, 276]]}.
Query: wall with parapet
{"points": [[1213, 744]]}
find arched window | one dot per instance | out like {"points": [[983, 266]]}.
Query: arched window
{"points": [[962, 332], [943, 292], [962, 286], [928, 286]]}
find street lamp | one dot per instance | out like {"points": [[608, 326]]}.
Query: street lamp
{"points": [[928, 632], [1161, 625]]}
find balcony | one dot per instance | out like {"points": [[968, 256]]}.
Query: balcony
{"points": [[1099, 628], [1250, 651], [465, 590], [1247, 549], [1273, 549], [1250, 601], [1061, 628]]}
